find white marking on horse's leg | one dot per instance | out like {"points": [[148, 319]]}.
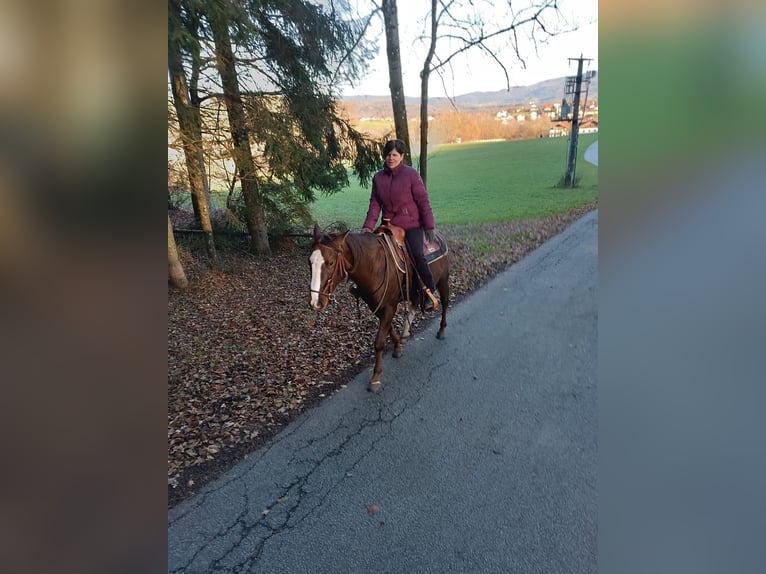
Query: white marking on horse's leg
{"points": [[317, 261]]}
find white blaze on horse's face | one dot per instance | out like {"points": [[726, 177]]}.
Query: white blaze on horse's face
{"points": [[317, 261]]}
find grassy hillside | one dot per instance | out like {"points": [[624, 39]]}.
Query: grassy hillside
{"points": [[485, 182]]}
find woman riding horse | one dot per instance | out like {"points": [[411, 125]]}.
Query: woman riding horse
{"points": [[400, 191]]}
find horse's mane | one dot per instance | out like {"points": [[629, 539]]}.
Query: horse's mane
{"points": [[358, 243]]}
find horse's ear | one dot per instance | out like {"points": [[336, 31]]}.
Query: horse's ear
{"points": [[339, 238], [317, 232]]}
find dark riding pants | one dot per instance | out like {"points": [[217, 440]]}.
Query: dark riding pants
{"points": [[414, 239]]}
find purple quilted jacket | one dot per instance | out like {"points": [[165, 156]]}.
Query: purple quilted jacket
{"points": [[403, 197]]}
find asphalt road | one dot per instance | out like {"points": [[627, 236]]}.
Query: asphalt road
{"points": [[480, 455], [591, 154]]}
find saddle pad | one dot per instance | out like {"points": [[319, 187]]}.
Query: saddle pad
{"points": [[436, 249]]}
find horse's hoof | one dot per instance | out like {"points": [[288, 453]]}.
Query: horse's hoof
{"points": [[440, 335], [375, 387], [396, 354]]}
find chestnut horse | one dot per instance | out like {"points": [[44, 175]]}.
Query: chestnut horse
{"points": [[367, 261]]}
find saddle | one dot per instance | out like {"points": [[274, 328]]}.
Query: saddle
{"points": [[397, 245]]}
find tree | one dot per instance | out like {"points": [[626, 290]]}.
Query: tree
{"points": [[424, 76], [462, 23], [305, 144], [189, 122], [396, 84], [176, 274], [219, 19], [279, 63]]}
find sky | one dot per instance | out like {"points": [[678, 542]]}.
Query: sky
{"points": [[478, 72]]}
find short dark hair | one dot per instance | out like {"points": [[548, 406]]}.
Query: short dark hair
{"points": [[398, 145]]}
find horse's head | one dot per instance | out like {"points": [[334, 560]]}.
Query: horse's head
{"points": [[328, 267]]}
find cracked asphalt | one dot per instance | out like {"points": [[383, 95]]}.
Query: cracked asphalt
{"points": [[480, 454]]}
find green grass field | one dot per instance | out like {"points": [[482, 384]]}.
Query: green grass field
{"points": [[480, 183], [485, 182]]}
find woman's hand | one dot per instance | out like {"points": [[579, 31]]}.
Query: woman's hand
{"points": [[431, 235]]}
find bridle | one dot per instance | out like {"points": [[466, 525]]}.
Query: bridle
{"points": [[337, 276]]}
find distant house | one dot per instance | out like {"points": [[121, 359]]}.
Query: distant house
{"points": [[589, 126], [559, 129], [503, 117]]}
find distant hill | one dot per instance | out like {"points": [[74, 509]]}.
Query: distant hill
{"points": [[540, 93]]}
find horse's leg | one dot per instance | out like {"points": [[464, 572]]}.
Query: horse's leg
{"points": [[397, 341], [409, 317], [443, 287], [384, 328]]}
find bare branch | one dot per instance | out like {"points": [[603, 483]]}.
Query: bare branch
{"points": [[512, 28], [367, 22], [515, 45], [450, 99], [499, 63]]}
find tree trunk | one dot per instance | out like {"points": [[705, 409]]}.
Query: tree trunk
{"points": [[176, 274], [396, 84], [243, 155], [423, 157], [190, 126], [424, 76]]}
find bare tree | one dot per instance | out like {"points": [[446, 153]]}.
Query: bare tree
{"points": [[424, 77], [463, 25]]}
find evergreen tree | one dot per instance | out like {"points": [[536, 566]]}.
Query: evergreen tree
{"points": [[280, 63]]}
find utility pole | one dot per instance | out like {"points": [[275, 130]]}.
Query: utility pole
{"points": [[574, 86]]}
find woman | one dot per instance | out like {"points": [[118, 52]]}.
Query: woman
{"points": [[399, 190]]}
